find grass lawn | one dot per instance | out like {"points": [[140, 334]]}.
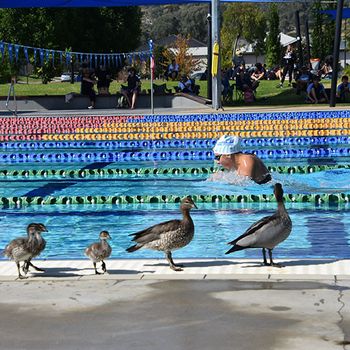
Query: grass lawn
{"points": [[267, 93]]}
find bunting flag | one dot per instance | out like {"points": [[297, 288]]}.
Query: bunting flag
{"points": [[25, 49], [16, 52], [47, 55], [10, 48], [2, 50], [67, 58], [41, 54]]}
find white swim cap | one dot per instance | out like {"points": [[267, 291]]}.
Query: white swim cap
{"points": [[227, 145]]}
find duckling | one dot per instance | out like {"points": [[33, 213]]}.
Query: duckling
{"points": [[168, 236], [39, 247], [268, 232], [99, 251], [23, 248]]}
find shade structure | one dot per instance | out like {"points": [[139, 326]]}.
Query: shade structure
{"points": [[110, 3], [333, 13]]}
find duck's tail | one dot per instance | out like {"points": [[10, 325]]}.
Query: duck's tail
{"points": [[235, 248], [134, 248]]}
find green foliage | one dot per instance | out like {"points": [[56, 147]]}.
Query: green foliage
{"points": [[323, 29], [159, 60], [273, 46], [159, 22], [83, 29], [241, 21]]}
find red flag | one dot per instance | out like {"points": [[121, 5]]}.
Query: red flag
{"points": [[153, 67]]}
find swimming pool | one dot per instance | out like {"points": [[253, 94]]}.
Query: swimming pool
{"points": [[155, 174], [318, 232]]}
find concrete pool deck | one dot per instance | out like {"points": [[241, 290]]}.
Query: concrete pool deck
{"points": [[143, 305], [194, 269]]}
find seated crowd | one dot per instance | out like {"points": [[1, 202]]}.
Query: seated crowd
{"points": [[245, 81]]}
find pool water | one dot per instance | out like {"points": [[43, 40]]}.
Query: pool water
{"points": [[328, 181], [318, 232]]}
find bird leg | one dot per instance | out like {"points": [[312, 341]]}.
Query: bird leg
{"points": [[21, 277], [25, 267], [171, 262], [271, 262], [29, 263], [96, 272], [104, 266], [264, 255]]}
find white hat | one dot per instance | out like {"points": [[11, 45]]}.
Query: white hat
{"points": [[227, 145]]}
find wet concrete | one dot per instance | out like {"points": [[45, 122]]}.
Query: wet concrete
{"points": [[174, 315]]}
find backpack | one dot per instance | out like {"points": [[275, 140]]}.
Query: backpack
{"points": [[248, 96], [122, 102]]}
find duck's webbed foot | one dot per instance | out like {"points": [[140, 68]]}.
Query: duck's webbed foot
{"points": [[96, 272], [172, 265], [21, 277], [273, 264]]}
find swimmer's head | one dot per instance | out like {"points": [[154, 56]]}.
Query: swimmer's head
{"points": [[227, 145]]}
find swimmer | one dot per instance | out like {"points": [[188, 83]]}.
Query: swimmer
{"points": [[229, 156]]}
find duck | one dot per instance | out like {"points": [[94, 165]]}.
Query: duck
{"points": [[25, 248], [268, 232], [99, 251], [169, 235], [38, 248]]}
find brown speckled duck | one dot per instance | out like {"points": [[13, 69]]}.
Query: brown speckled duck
{"points": [[25, 248], [39, 246], [268, 232], [99, 251], [168, 236]]}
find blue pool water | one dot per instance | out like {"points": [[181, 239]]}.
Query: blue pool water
{"points": [[318, 232], [329, 181]]}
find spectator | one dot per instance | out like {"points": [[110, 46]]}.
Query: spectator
{"points": [[132, 90], [103, 80], [228, 154], [302, 80], [288, 62], [327, 68], [343, 89], [227, 89], [259, 72], [274, 73], [87, 84], [172, 71], [187, 85], [245, 84], [316, 92]]}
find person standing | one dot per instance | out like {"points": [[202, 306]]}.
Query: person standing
{"points": [[288, 62], [132, 90], [87, 84]]}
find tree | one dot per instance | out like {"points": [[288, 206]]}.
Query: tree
{"points": [[273, 46], [82, 29], [323, 28], [159, 22], [241, 21], [182, 56]]}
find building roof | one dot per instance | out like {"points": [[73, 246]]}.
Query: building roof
{"points": [[169, 42]]}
